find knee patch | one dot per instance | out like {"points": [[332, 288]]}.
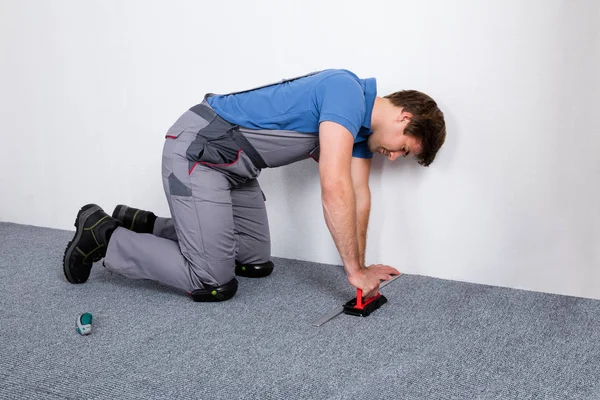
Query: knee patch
{"points": [[254, 270], [216, 293]]}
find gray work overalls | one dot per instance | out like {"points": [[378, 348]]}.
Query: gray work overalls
{"points": [[209, 170]]}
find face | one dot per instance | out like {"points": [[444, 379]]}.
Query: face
{"points": [[391, 141]]}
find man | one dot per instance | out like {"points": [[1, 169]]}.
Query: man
{"points": [[211, 158]]}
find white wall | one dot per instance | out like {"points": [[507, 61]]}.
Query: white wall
{"points": [[90, 87]]}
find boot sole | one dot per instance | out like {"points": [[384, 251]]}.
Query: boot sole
{"points": [[82, 215]]}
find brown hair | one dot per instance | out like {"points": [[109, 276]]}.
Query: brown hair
{"points": [[426, 124]]}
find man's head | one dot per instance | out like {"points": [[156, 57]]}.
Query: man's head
{"points": [[407, 123]]}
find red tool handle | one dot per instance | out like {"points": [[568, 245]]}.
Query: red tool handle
{"points": [[359, 303], [359, 299]]}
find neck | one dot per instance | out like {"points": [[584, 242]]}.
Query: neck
{"points": [[380, 108]]}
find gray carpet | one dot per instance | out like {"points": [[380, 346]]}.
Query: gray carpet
{"points": [[435, 339]]}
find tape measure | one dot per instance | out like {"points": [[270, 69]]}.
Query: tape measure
{"points": [[84, 324]]}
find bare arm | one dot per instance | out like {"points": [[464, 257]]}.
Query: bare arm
{"points": [[360, 169], [340, 207], [337, 192]]}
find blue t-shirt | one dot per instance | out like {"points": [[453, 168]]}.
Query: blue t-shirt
{"points": [[300, 105]]}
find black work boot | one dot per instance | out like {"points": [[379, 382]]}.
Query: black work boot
{"points": [[254, 270], [93, 228], [134, 219]]}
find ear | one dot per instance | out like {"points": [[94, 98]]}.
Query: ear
{"points": [[404, 116]]}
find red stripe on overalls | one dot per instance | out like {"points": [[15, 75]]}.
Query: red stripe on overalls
{"points": [[217, 165]]}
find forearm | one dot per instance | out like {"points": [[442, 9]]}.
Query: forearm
{"points": [[363, 209], [339, 209]]}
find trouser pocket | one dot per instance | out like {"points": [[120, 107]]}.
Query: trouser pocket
{"points": [[214, 144], [220, 151], [215, 147]]}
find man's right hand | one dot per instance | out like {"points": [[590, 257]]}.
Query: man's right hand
{"points": [[368, 279]]}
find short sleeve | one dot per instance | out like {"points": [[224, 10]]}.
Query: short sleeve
{"points": [[361, 150], [340, 99]]}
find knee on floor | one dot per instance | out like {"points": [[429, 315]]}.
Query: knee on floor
{"points": [[249, 270], [216, 293]]}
